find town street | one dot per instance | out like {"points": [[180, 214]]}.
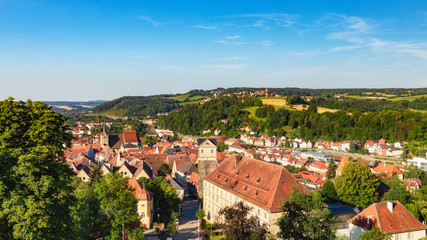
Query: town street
{"points": [[188, 222]]}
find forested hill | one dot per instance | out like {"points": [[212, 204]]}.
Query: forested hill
{"points": [[138, 106], [343, 99], [335, 125]]}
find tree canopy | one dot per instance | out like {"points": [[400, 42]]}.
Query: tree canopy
{"points": [[35, 189], [306, 217], [239, 225], [357, 185]]}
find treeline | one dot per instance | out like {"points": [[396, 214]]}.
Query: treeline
{"points": [[319, 92], [368, 105], [388, 124], [138, 106], [192, 119]]}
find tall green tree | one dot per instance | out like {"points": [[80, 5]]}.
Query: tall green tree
{"points": [[306, 217], [332, 168], [118, 203], [35, 193], [328, 190], [357, 185], [239, 225]]}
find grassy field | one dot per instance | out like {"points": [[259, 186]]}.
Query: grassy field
{"points": [[219, 237], [252, 110], [409, 98], [182, 98], [319, 109], [365, 97]]}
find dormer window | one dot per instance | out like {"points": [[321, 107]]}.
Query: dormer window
{"points": [[237, 173], [256, 193], [245, 188], [226, 180], [258, 180], [247, 176], [217, 176]]}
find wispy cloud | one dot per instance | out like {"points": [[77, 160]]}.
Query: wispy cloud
{"points": [[279, 19], [150, 20], [230, 42], [352, 29], [266, 43], [233, 37], [206, 27]]}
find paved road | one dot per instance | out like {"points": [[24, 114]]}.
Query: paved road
{"points": [[188, 223]]}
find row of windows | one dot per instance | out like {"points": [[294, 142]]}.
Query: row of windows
{"points": [[229, 198]]}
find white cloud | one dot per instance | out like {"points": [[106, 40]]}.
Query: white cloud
{"points": [[280, 19], [205, 27], [233, 37], [150, 20], [267, 43]]}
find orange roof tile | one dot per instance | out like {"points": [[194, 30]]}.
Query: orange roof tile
{"points": [[389, 222], [261, 183], [140, 192]]}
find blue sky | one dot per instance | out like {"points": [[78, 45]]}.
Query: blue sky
{"points": [[88, 50]]}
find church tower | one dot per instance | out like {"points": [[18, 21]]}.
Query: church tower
{"points": [[206, 160], [104, 137]]}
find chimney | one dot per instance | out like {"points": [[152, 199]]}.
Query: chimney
{"points": [[390, 206], [368, 219]]}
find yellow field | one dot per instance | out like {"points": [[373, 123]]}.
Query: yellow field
{"points": [[274, 102], [280, 102], [319, 109]]}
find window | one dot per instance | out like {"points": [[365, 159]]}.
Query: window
{"points": [[143, 214], [258, 180], [211, 150], [201, 151]]}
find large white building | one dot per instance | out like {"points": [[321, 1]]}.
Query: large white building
{"points": [[260, 185], [418, 161]]}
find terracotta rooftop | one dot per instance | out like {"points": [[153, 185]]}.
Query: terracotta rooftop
{"points": [[398, 220], [140, 192], [388, 169], [261, 183]]}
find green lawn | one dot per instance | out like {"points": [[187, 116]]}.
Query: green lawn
{"points": [[219, 237]]}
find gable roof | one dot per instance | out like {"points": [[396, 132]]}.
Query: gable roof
{"points": [[389, 222], [200, 141], [260, 183]]}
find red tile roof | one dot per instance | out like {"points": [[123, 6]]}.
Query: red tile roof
{"points": [[261, 183], [389, 222], [140, 192], [130, 136], [388, 169]]}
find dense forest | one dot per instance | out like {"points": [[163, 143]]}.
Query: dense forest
{"points": [[392, 125], [138, 106]]}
